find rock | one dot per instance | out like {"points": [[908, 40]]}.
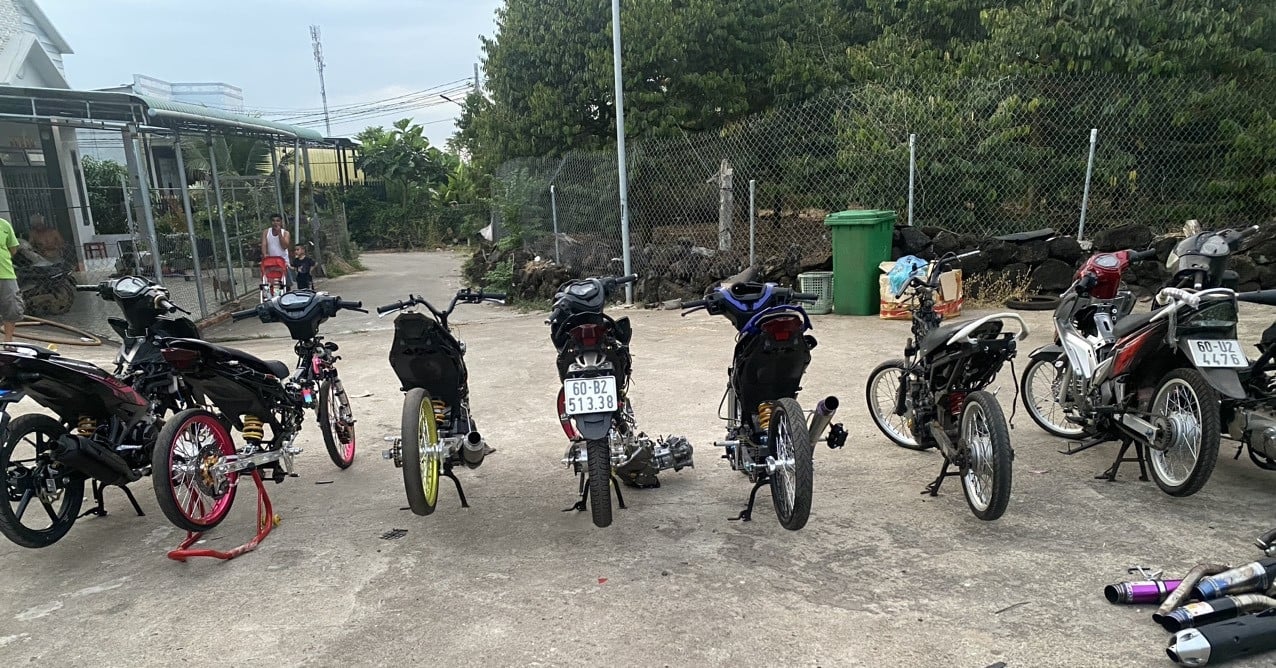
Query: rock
{"points": [[945, 242], [1163, 247], [1053, 276], [973, 265], [1245, 268], [1126, 237], [931, 232], [1247, 287], [999, 253], [1065, 248], [897, 252], [1032, 252], [1150, 273], [913, 240], [1016, 272], [1267, 276]]}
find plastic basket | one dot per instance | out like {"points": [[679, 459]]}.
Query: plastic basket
{"points": [[818, 283]]}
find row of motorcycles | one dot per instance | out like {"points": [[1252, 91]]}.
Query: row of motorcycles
{"points": [[1168, 383]]}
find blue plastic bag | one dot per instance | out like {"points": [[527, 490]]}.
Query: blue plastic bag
{"points": [[905, 268]]}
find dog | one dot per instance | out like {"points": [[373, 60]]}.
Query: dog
{"points": [[222, 290]]}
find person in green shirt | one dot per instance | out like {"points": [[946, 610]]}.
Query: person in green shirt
{"points": [[11, 306]]}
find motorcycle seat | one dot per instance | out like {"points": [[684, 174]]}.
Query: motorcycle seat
{"points": [[1131, 322], [273, 367], [940, 336]]}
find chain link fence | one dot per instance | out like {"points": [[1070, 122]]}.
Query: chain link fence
{"points": [[992, 156]]}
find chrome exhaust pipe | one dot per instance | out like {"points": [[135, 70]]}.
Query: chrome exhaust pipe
{"points": [[474, 450], [820, 419]]}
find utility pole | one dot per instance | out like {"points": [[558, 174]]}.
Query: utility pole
{"points": [[323, 90]]}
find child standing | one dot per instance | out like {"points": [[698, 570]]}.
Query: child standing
{"points": [[303, 265]]}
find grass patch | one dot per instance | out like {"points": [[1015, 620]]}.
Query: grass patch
{"points": [[994, 289]]}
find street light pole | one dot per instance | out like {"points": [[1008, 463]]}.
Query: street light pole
{"points": [[620, 147]]}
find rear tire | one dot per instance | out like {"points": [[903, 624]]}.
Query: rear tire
{"points": [[193, 498], [1039, 377], [36, 434], [792, 483], [422, 467], [599, 456], [882, 394], [1184, 467], [338, 438], [986, 474]]}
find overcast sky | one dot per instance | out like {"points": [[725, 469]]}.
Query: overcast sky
{"points": [[375, 49]]}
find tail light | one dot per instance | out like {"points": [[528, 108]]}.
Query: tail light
{"points": [[180, 358], [782, 328], [588, 335]]}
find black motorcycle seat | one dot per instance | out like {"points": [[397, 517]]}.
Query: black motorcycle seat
{"points": [[1132, 322], [273, 367], [940, 336]]}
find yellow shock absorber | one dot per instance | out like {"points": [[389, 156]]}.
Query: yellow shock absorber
{"points": [[764, 415], [86, 426], [253, 430]]}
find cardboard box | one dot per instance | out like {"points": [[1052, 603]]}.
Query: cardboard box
{"points": [[948, 300]]}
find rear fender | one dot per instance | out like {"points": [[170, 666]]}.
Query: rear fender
{"points": [[1226, 381], [1047, 352], [593, 426]]}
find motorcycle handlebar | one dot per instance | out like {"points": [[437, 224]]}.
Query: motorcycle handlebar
{"points": [[626, 279], [805, 297], [392, 307], [86, 288], [243, 315], [353, 306], [699, 303], [1138, 256]]}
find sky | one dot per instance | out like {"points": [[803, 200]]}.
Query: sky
{"points": [[374, 50]]}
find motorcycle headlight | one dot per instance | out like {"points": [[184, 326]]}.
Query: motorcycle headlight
{"points": [[1172, 262]]}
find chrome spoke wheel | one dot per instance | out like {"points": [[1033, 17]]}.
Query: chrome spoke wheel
{"points": [[979, 466], [1181, 408]]}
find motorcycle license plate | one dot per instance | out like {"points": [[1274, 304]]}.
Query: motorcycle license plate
{"points": [[590, 395], [1224, 353]]}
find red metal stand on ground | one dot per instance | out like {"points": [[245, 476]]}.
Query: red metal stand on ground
{"points": [[266, 520]]}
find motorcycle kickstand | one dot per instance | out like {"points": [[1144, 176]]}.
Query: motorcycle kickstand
{"points": [[582, 497], [447, 473], [746, 515], [620, 499], [1111, 473], [99, 509], [933, 488]]}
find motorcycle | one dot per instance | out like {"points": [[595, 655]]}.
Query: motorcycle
{"points": [[198, 461], [593, 408], [936, 395], [47, 287], [104, 426], [1151, 380], [768, 437], [437, 431]]}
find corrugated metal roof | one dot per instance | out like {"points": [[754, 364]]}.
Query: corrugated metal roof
{"points": [[162, 108]]}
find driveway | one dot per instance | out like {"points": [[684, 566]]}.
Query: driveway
{"points": [[881, 576]]}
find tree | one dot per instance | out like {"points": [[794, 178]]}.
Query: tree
{"points": [[104, 179], [404, 160]]}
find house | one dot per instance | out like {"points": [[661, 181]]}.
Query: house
{"points": [[39, 164]]}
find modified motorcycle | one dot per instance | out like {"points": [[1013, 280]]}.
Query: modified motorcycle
{"points": [[104, 425], [594, 410], [936, 397], [437, 432], [768, 437], [1152, 380], [196, 460]]}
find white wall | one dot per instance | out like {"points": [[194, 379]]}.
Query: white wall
{"points": [[30, 25]]}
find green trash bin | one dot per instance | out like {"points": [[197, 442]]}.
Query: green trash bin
{"points": [[861, 242]]}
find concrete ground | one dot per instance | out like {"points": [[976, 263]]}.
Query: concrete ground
{"points": [[881, 576]]}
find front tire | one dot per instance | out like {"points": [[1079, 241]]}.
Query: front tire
{"points": [[1190, 405], [25, 462], [598, 454], [884, 385], [792, 480], [1038, 388], [986, 473], [189, 492], [422, 465], [338, 436]]}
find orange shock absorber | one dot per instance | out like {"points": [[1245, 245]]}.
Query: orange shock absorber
{"points": [[764, 415], [86, 426], [253, 430], [440, 411]]}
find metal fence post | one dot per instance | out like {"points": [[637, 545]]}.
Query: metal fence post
{"points": [[296, 191], [726, 203], [1089, 172], [190, 224], [912, 174], [142, 195], [128, 216], [622, 167], [753, 217], [279, 185], [553, 208], [314, 210], [221, 214]]}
